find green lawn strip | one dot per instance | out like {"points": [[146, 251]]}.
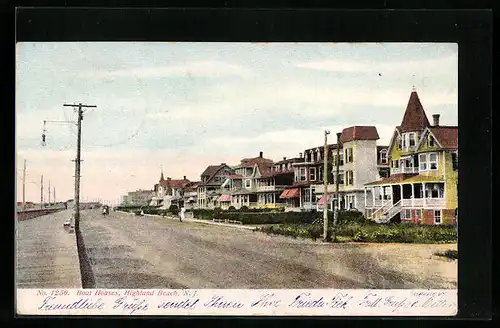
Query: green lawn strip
{"points": [[370, 232]]}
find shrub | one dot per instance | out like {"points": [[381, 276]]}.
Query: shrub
{"points": [[450, 254], [173, 209], [231, 208], [244, 208], [382, 233]]}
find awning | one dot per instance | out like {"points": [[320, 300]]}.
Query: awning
{"points": [[290, 193], [224, 198], [322, 200]]}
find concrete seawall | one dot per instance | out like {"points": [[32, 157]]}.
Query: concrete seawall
{"points": [[30, 214]]}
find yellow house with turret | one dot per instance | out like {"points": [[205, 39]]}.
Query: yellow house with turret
{"points": [[422, 186]]}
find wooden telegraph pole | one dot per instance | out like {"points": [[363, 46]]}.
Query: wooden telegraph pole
{"points": [[326, 235], [79, 108], [336, 208]]}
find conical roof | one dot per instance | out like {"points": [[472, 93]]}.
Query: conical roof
{"points": [[414, 118]]}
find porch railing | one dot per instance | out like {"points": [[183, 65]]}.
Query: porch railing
{"points": [[423, 202], [404, 170]]}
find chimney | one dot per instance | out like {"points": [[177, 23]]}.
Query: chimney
{"points": [[184, 177], [284, 158], [260, 154], [169, 178], [435, 117], [300, 155]]}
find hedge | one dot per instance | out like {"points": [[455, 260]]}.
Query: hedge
{"points": [[382, 233], [276, 217]]}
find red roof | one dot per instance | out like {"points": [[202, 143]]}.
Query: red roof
{"points": [[414, 118], [395, 178], [290, 193], [235, 176], [359, 133], [446, 136], [174, 183], [224, 198]]}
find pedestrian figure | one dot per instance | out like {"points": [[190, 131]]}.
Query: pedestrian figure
{"points": [[181, 214]]}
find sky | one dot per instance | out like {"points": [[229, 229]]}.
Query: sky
{"points": [[183, 106]]}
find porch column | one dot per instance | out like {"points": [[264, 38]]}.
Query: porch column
{"points": [[401, 191], [412, 194], [383, 193], [365, 198], [423, 194], [300, 198], [373, 195]]}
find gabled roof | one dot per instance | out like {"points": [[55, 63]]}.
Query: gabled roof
{"points": [[446, 136], [359, 133], [211, 171], [174, 183], [414, 118]]}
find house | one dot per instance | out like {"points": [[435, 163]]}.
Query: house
{"points": [[240, 188], [360, 161], [138, 198], [423, 172], [209, 188], [272, 184], [190, 198], [169, 192]]}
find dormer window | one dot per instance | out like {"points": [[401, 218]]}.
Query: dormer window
{"points": [[431, 141], [412, 139]]}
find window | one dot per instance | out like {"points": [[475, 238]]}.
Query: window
{"points": [[400, 142], [341, 160], [403, 141], [418, 215], [348, 155], [433, 161], [320, 173], [341, 177], [412, 140], [318, 155], [454, 160], [248, 183], [395, 164], [312, 174], [437, 217], [349, 177], [422, 159], [383, 156], [302, 174], [406, 214], [431, 141], [351, 202]]}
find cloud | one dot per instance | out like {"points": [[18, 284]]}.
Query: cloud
{"points": [[209, 69], [415, 66]]}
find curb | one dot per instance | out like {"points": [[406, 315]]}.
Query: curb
{"points": [[238, 226]]}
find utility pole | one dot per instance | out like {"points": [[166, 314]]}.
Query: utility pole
{"points": [[326, 235], [79, 109], [336, 208], [24, 185], [41, 192], [49, 193]]}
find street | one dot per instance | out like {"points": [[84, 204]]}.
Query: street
{"points": [[127, 251]]}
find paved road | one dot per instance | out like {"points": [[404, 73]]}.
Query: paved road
{"points": [[127, 251], [47, 256]]}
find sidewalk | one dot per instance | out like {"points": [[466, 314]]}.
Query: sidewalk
{"points": [[47, 255], [238, 226]]}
